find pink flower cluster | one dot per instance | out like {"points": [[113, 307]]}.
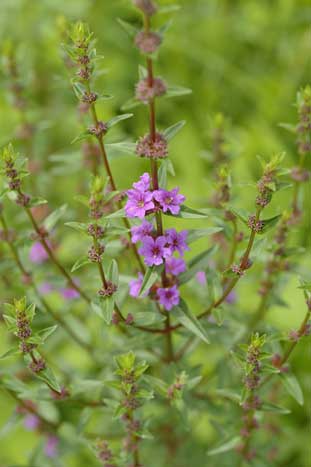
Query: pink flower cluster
{"points": [[157, 249], [142, 201]]}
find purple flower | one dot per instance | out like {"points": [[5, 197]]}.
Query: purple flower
{"points": [[138, 203], [37, 253], [168, 297], [201, 277], [231, 298], [140, 231], [51, 446], [69, 293], [45, 288], [144, 183], [169, 200], [135, 286], [154, 250], [175, 266], [31, 422], [177, 240]]}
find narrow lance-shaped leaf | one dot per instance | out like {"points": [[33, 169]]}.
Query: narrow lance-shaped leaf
{"points": [[128, 27], [225, 447], [165, 168], [80, 263], [190, 321], [171, 131], [196, 234], [189, 213], [150, 277], [113, 121], [269, 223], [53, 218], [292, 386], [175, 91]]}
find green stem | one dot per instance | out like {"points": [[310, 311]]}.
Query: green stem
{"points": [[155, 186], [53, 258]]}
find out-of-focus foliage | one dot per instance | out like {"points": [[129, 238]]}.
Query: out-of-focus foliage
{"points": [[246, 59]]}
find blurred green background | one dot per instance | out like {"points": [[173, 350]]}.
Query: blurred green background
{"points": [[246, 59]]}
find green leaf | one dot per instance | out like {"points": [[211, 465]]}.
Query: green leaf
{"points": [[168, 9], [113, 272], [126, 361], [189, 213], [160, 386], [82, 199], [171, 131], [150, 277], [123, 147], [53, 218], [196, 234], [267, 407], [227, 446], [269, 223], [292, 386], [82, 136], [128, 27], [78, 226], [241, 214], [196, 264], [10, 322], [117, 214], [36, 202], [43, 334], [218, 314], [175, 91], [113, 121], [131, 104], [165, 168], [107, 307], [142, 72], [10, 353], [289, 127], [48, 377], [190, 321], [146, 318], [80, 263]]}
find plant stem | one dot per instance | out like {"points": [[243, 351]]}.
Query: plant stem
{"points": [[155, 186], [291, 347], [112, 181], [53, 258], [50, 425], [33, 284], [235, 280]]}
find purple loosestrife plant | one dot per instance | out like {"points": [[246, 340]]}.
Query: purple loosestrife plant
{"points": [[142, 312]]}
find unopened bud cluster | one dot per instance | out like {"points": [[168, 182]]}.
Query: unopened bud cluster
{"points": [[148, 7], [304, 125], [129, 374], [13, 176], [252, 402]]}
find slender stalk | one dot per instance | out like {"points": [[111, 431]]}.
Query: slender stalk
{"points": [[50, 425], [53, 258], [235, 280], [234, 243], [292, 346], [155, 186], [111, 179], [56, 317]]}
